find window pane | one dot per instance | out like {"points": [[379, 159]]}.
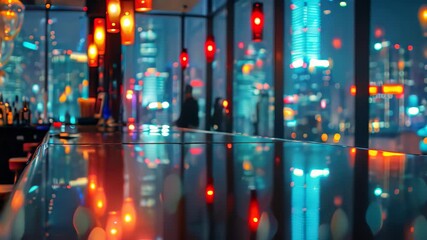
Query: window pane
{"points": [[253, 73], [319, 52], [67, 70], [23, 75], [195, 74], [217, 4], [152, 71], [398, 61], [200, 7], [219, 71]]}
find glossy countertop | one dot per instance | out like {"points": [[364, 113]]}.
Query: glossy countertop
{"points": [[160, 182], [144, 134]]}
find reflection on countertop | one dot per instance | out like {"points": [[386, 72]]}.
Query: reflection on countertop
{"points": [[165, 183]]}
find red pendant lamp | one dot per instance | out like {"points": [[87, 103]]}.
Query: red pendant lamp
{"points": [[257, 21], [184, 59], [113, 16], [210, 49], [143, 5]]}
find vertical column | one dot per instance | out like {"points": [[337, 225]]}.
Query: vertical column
{"points": [[279, 205], [230, 63], [46, 61], [95, 9], [113, 74], [279, 20], [182, 70], [209, 71], [361, 168]]}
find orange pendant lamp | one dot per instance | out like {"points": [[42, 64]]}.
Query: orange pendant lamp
{"points": [[127, 24], [422, 17], [113, 16], [99, 34], [114, 226], [128, 215], [92, 53], [143, 5]]}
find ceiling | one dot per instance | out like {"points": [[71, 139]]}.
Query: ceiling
{"points": [[159, 5], [173, 5]]}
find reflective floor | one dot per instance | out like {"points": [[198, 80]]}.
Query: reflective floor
{"points": [[162, 183]]}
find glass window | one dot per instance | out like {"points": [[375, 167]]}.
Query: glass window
{"points": [[152, 72], [23, 75], [219, 71], [217, 4], [200, 7], [398, 74], [195, 74], [319, 72], [67, 67], [68, 71], [253, 73]]}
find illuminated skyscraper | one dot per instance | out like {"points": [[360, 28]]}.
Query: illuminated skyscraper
{"points": [[305, 31]]}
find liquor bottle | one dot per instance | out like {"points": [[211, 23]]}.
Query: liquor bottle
{"points": [[9, 116], [25, 114], [15, 114]]}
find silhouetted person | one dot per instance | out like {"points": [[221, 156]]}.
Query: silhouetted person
{"points": [[217, 115], [189, 117], [256, 116]]}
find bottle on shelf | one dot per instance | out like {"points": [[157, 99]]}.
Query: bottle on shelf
{"points": [[15, 111], [10, 119], [25, 114], [9, 114]]}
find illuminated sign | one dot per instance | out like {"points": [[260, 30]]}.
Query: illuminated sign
{"points": [[394, 89]]}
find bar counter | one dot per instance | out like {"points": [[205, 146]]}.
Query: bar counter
{"points": [[165, 183]]}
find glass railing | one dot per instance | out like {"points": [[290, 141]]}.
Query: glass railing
{"points": [[163, 183]]}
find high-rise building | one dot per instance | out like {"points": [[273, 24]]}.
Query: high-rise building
{"points": [[311, 74], [305, 30]]}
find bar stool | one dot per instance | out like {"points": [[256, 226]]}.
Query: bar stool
{"points": [[16, 165], [30, 148]]}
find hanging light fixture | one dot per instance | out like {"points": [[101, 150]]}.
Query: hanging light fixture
{"points": [[422, 17], [128, 215], [99, 202], [12, 17], [92, 53], [210, 49], [113, 16], [143, 5], [257, 21], [184, 59], [99, 34], [113, 228], [127, 24]]}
